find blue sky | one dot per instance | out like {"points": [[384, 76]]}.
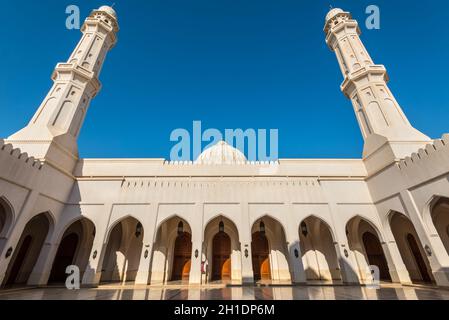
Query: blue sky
{"points": [[230, 64]]}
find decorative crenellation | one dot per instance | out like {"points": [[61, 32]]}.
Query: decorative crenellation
{"points": [[241, 163], [423, 155], [191, 183], [7, 148]]}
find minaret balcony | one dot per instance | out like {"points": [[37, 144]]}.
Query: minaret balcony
{"points": [[108, 23], [332, 31], [73, 71], [373, 72]]}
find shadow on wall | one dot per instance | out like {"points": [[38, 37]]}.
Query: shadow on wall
{"points": [[74, 249], [123, 252], [348, 270], [6, 219], [318, 250], [440, 219], [410, 248], [28, 249]]}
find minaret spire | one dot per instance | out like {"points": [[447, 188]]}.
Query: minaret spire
{"points": [[52, 133], [380, 117]]}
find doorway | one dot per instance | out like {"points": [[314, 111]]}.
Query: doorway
{"points": [[261, 257], [376, 256], [28, 250], [182, 257], [221, 263], [418, 258], [64, 258]]}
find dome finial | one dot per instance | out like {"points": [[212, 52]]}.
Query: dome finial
{"points": [[109, 10], [333, 12]]}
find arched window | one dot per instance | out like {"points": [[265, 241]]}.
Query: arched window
{"points": [[180, 228], [5, 215], [139, 229], [262, 227], [2, 217], [304, 229]]}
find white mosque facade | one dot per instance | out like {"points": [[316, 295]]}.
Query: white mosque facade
{"points": [[222, 218]]}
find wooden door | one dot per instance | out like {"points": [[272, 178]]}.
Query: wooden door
{"points": [[261, 257], [182, 257], [375, 254], [221, 262]]}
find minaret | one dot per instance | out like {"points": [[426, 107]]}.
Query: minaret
{"points": [[52, 133], [381, 119]]}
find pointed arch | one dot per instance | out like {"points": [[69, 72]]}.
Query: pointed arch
{"points": [[71, 222], [178, 216], [123, 251], [365, 242], [436, 218], [318, 250], [220, 215], [35, 233], [75, 245], [117, 222], [410, 248], [7, 218], [272, 260], [272, 217], [172, 250], [323, 221], [361, 217], [222, 249]]}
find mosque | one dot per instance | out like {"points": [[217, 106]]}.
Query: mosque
{"points": [[222, 218]]}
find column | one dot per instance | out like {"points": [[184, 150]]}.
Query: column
{"points": [[197, 247], [158, 265], [143, 274], [245, 240], [92, 274], [295, 259], [298, 274], [346, 259], [396, 266], [42, 269], [347, 263], [195, 271]]}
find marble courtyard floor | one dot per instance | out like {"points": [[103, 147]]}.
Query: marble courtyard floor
{"points": [[217, 292]]}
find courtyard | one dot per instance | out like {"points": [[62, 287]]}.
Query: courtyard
{"points": [[222, 292]]}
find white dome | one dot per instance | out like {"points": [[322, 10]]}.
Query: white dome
{"points": [[108, 10], [333, 13], [221, 153]]}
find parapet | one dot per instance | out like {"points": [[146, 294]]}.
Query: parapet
{"points": [[15, 154], [429, 162]]}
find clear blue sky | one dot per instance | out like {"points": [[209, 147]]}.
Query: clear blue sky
{"points": [[231, 64]]}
